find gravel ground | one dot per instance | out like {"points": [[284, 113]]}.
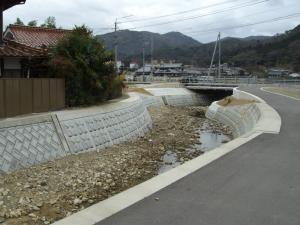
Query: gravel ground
{"points": [[51, 191]]}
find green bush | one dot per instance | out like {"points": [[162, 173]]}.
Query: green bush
{"points": [[87, 68]]}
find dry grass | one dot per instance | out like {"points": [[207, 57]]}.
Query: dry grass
{"points": [[139, 90], [231, 101], [295, 93]]}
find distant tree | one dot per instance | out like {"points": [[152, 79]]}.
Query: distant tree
{"points": [[50, 22], [87, 67], [19, 22], [32, 23]]}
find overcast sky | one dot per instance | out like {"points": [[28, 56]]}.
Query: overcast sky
{"points": [[220, 14]]}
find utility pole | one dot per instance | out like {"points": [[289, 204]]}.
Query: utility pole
{"points": [[116, 47], [143, 63], [219, 55], [116, 41], [152, 50], [218, 44]]}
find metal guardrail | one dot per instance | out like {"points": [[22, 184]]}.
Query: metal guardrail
{"points": [[223, 80], [239, 80]]}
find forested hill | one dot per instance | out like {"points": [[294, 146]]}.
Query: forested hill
{"points": [[253, 52], [281, 50], [131, 43]]}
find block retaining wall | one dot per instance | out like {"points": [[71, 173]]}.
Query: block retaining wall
{"points": [[33, 140]]}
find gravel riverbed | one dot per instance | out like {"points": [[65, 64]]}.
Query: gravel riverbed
{"points": [[51, 191]]}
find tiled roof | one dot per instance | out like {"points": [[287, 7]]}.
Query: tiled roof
{"points": [[13, 49], [36, 37]]}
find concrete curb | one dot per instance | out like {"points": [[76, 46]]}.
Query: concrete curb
{"points": [[108, 207]]}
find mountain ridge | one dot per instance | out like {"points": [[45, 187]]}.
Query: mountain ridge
{"points": [[253, 51]]}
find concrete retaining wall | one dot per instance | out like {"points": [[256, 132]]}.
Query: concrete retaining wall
{"points": [[246, 119], [30, 141], [37, 139], [241, 119], [103, 129], [185, 100]]}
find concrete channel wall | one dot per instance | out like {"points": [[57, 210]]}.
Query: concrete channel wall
{"points": [[37, 139], [248, 118], [241, 119]]}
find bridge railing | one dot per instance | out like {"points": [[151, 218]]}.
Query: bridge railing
{"points": [[240, 80]]}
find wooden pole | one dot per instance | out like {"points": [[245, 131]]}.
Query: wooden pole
{"points": [[1, 26]]}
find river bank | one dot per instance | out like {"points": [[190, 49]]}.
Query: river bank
{"points": [[54, 190]]}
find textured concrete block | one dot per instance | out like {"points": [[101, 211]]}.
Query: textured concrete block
{"points": [[241, 119]]}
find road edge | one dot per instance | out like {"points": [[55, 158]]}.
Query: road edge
{"points": [[271, 92]]}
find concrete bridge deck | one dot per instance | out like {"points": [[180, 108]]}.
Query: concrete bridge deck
{"points": [[210, 86], [256, 184]]}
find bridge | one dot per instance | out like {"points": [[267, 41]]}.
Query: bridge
{"points": [[210, 86]]}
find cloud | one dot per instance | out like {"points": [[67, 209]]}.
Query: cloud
{"points": [[99, 14]]}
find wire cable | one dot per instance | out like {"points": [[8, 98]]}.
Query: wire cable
{"points": [[178, 13], [249, 24], [251, 3]]}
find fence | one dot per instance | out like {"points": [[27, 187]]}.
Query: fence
{"points": [[24, 96]]}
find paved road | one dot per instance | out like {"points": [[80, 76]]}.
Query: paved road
{"points": [[257, 184]]}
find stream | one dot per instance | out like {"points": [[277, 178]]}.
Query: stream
{"points": [[209, 139]]}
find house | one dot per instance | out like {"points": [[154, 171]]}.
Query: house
{"points": [[25, 50], [16, 59], [133, 66], [278, 73], [146, 70], [294, 75]]}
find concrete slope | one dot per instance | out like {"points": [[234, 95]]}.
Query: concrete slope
{"points": [[257, 184]]}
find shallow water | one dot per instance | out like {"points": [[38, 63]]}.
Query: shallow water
{"points": [[169, 161], [208, 140]]}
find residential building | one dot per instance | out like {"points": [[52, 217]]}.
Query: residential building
{"points": [[278, 73], [25, 50], [133, 66], [295, 75], [166, 69], [146, 70]]}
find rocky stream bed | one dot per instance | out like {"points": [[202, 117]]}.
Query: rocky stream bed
{"points": [[51, 191]]}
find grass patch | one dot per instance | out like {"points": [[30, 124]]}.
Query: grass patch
{"points": [[295, 93], [139, 90]]}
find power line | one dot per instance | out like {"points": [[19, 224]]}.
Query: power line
{"points": [[178, 13], [244, 16], [203, 15], [249, 24]]}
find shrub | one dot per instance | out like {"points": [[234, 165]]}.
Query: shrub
{"points": [[87, 68]]}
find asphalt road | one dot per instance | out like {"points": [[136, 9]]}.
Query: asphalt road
{"points": [[256, 184]]}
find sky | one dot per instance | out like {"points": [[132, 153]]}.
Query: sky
{"points": [[200, 19]]}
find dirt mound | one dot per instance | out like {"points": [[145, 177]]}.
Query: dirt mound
{"points": [[232, 101]]}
